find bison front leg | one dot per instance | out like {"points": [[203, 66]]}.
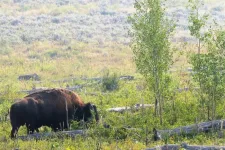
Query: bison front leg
{"points": [[56, 127], [31, 129], [37, 130], [65, 125]]}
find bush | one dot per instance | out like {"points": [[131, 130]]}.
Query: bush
{"points": [[5, 48], [110, 82]]}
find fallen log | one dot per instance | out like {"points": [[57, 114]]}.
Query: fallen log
{"points": [[165, 147], [73, 88], [195, 128], [187, 89], [126, 77], [135, 107], [39, 136], [99, 79], [34, 90], [185, 146], [76, 87], [65, 80], [26, 77]]}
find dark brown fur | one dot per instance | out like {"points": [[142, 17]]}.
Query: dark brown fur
{"points": [[50, 108]]}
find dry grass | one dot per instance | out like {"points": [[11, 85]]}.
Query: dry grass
{"points": [[16, 9], [80, 60]]}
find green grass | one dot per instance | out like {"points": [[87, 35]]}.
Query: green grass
{"points": [[127, 95], [80, 59]]}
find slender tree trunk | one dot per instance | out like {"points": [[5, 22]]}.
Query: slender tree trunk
{"points": [[208, 112], [199, 41], [174, 111], [155, 85], [213, 104], [199, 46], [156, 106], [160, 112], [158, 95]]}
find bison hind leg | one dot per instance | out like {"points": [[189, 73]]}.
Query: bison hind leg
{"points": [[14, 132], [55, 127]]}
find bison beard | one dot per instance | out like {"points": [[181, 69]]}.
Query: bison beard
{"points": [[54, 108]]}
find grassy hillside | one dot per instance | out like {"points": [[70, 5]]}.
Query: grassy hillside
{"points": [[91, 33], [87, 21]]}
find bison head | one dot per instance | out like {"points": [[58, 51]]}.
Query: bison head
{"points": [[90, 112], [156, 135]]}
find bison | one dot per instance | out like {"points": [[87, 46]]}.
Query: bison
{"points": [[53, 107]]}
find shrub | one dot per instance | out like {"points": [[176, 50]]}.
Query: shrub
{"points": [[51, 54], [110, 82], [5, 48]]}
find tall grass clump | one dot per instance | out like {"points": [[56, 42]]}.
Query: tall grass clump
{"points": [[110, 82]]}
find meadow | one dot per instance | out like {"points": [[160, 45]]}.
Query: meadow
{"points": [[61, 40]]}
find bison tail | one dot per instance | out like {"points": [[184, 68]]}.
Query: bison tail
{"points": [[12, 115], [14, 121]]}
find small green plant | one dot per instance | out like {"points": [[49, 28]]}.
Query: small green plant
{"points": [[5, 48], [51, 54], [74, 125], [110, 82]]}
